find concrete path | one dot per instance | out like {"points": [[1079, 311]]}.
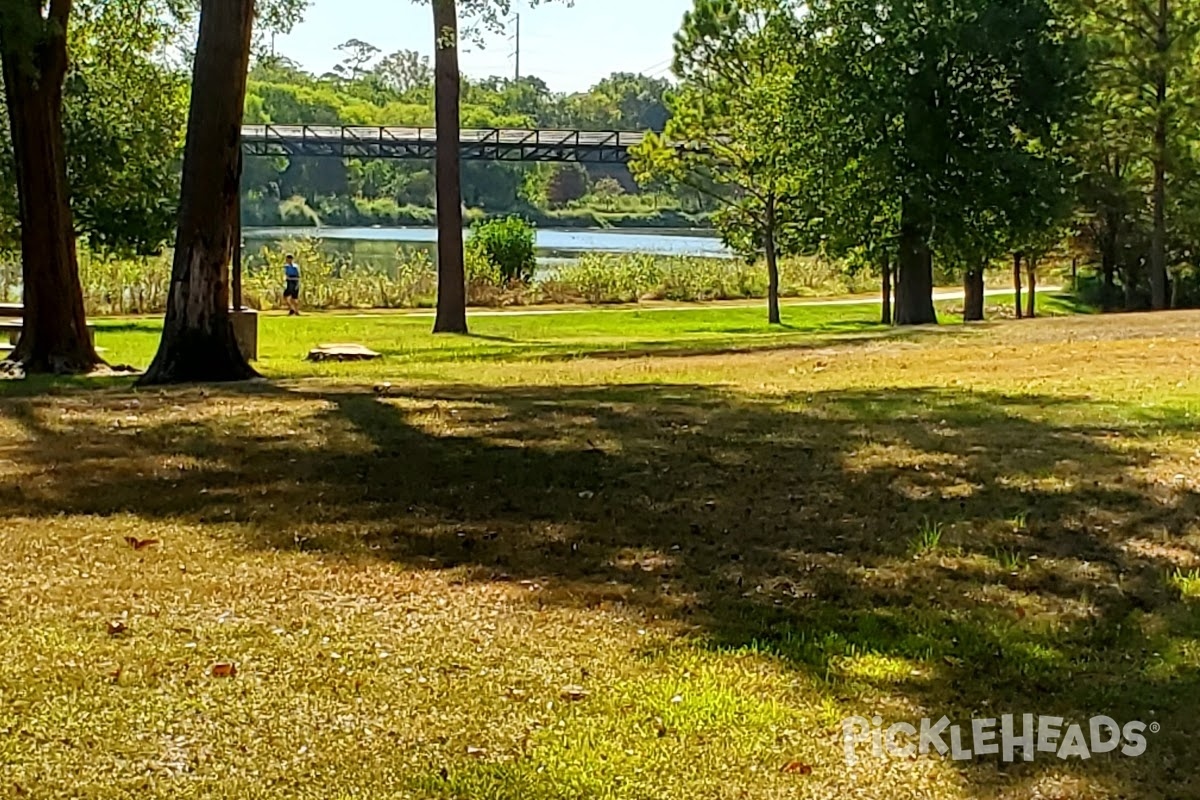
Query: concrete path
{"points": [[862, 300]]}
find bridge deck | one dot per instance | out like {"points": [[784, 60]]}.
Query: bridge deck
{"points": [[490, 144]]}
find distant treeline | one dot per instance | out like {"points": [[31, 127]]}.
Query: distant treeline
{"points": [[368, 88]]}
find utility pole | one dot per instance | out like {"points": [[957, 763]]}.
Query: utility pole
{"points": [[517, 52]]}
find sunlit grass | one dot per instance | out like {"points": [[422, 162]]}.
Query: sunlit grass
{"points": [[1188, 583], [928, 538], [405, 339], [528, 575]]}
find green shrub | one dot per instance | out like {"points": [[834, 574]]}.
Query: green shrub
{"points": [[296, 212], [508, 245]]}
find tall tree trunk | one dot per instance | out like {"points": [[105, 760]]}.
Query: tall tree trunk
{"points": [[452, 274], [1129, 283], [772, 264], [33, 48], [198, 342], [1108, 270], [1158, 244], [886, 270], [973, 294], [1017, 257], [1031, 266], [914, 290]]}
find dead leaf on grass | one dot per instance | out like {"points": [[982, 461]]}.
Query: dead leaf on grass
{"points": [[140, 544], [116, 627], [574, 693], [797, 768], [224, 669]]}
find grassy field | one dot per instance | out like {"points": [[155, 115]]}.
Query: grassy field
{"points": [[538, 334], [537, 567]]}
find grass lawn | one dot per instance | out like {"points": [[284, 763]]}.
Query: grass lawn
{"points": [[534, 334], [538, 567]]}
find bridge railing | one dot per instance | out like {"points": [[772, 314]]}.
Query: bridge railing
{"points": [[354, 141], [404, 134]]}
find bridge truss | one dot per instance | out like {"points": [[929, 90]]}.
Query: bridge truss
{"points": [[489, 144]]}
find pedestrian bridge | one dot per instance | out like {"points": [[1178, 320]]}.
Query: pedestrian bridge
{"points": [[476, 144]]}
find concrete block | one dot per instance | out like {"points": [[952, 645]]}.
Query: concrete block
{"points": [[245, 329]]}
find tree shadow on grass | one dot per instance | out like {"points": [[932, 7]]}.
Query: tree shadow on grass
{"points": [[790, 525], [767, 340], [49, 385]]}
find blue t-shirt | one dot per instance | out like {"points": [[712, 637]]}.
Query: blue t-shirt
{"points": [[291, 272]]}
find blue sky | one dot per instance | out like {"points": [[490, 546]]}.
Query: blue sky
{"points": [[568, 47]]}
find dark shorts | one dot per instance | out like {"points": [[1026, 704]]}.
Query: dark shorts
{"points": [[292, 290]]}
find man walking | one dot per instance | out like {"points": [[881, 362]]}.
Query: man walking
{"points": [[291, 288]]}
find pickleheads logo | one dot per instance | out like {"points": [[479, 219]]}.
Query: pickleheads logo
{"points": [[1005, 736]]}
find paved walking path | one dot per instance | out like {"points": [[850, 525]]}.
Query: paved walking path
{"points": [[861, 300]]}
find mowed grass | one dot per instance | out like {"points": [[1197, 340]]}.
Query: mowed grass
{"points": [[537, 334], [549, 572]]}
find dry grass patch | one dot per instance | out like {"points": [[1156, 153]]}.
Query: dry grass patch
{"points": [[608, 578]]}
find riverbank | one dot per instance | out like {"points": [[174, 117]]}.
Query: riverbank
{"points": [[373, 243], [1052, 301], [357, 212], [359, 275], [409, 279]]}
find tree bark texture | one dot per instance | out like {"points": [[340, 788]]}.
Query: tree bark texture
{"points": [[1017, 259], [198, 342], [973, 295], [1108, 289], [1031, 266], [886, 270], [54, 337], [773, 316], [914, 290], [1158, 243], [452, 278]]}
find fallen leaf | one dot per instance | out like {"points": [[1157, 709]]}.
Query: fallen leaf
{"points": [[140, 544], [797, 768], [476, 752], [574, 693], [224, 669], [116, 627]]}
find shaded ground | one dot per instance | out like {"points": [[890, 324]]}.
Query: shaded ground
{"points": [[722, 556]]}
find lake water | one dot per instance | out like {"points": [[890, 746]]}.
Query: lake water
{"points": [[370, 244]]}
